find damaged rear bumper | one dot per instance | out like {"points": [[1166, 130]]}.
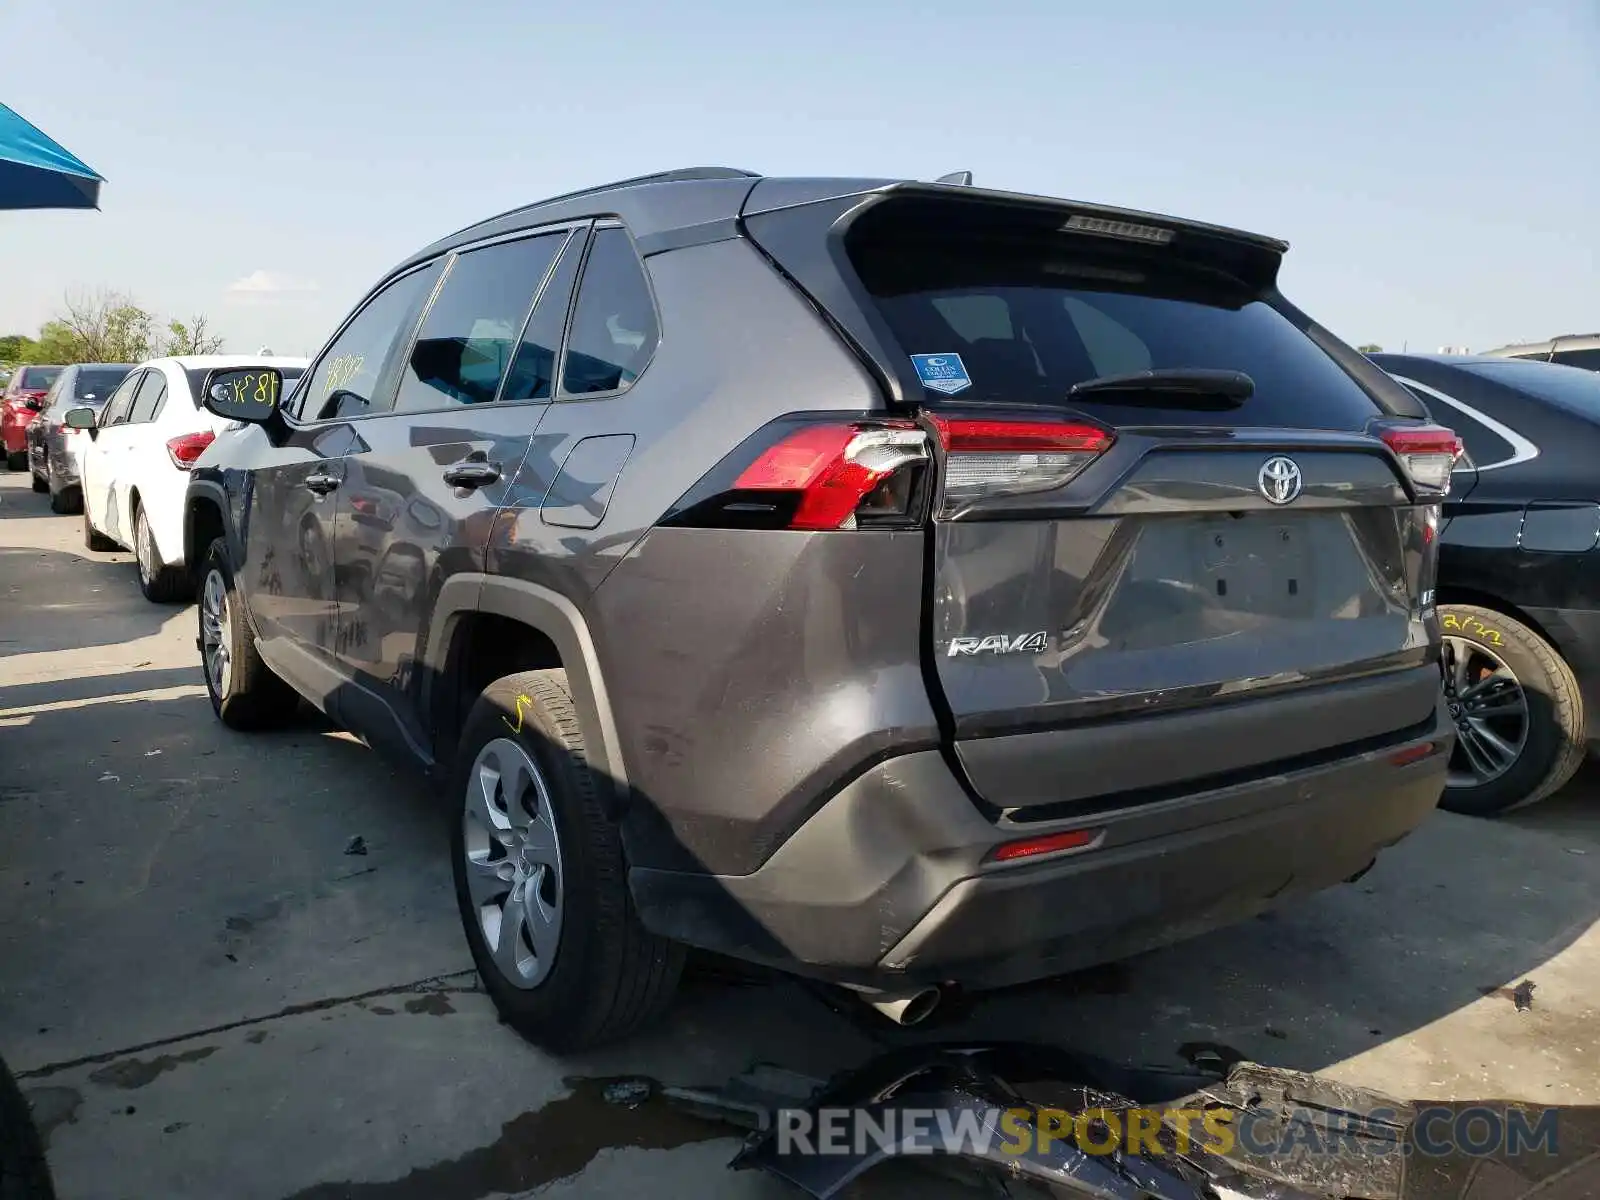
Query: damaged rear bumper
{"points": [[890, 885]]}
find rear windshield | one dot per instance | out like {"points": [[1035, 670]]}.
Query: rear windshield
{"points": [[1026, 325], [36, 379], [197, 377], [95, 384], [1571, 388]]}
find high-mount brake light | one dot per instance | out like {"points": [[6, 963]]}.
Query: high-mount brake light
{"points": [[1429, 453], [992, 456], [186, 449], [839, 473]]}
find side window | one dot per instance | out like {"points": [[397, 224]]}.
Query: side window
{"points": [[614, 329], [533, 373], [148, 400], [470, 334], [60, 393], [1483, 445], [116, 409], [1589, 360], [349, 378]]}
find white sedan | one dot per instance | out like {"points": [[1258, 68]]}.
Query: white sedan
{"points": [[137, 460]]}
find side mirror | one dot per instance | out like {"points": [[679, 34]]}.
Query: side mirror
{"points": [[34, 405], [82, 417], [249, 395]]}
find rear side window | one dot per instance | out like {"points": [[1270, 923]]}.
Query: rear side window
{"points": [[1565, 387], [148, 400], [471, 332], [1027, 326], [534, 371], [116, 409], [1589, 360], [614, 330]]}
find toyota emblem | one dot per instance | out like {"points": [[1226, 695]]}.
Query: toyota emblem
{"points": [[1279, 480]]}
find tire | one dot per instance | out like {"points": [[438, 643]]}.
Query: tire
{"points": [[244, 692], [160, 583], [94, 539], [24, 1172], [1548, 737], [40, 486], [17, 461], [606, 975]]}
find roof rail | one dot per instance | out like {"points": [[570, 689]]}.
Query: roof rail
{"points": [[680, 175]]}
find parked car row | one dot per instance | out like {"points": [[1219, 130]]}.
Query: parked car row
{"points": [[905, 585], [20, 401]]}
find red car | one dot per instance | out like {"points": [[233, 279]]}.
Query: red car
{"points": [[20, 403]]}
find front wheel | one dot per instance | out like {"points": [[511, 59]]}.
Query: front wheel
{"points": [[244, 692], [540, 877], [1517, 708]]}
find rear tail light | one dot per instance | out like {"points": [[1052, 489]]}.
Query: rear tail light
{"points": [[1050, 843], [815, 475], [1429, 453], [986, 456], [186, 449]]}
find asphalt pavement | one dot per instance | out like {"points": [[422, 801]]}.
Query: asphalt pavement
{"points": [[205, 995]]}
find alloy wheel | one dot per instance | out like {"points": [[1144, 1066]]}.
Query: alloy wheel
{"points": [[143, 549], [1490, 711], [216, 633], [513, 862]]}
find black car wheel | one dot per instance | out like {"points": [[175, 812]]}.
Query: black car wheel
{"points": [[40, 485], [24, 1172], [540, 876], [17, 461], [63, 500], [1517, 709], [244, 692]]}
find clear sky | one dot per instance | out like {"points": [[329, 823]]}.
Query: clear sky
{"points": [[1434, 163]]}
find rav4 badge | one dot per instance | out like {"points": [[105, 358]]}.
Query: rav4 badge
{"points": [[999, 643]]}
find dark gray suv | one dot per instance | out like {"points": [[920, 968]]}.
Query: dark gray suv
{"points": [[904, 585]]}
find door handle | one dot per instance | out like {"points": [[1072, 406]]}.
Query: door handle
{"points": [[473, 472], [321, 482]]}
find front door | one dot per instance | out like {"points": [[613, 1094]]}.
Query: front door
{"points": [[288, 567], [420, 495], [104, 451]]}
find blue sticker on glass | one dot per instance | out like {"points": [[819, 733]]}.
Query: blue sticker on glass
{"points": [[942, 372]]}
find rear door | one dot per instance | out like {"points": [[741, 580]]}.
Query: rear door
{"points": [[1160, 550]]}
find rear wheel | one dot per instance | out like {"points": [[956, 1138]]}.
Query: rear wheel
{"points": [[94, 539], [540, 876], [1517, 708], [40, 485], [160, 583], [17, 461], [244, 692]]}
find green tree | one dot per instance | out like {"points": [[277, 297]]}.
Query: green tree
{"points": [[16, 348], [191, 338], [1370, 348]]}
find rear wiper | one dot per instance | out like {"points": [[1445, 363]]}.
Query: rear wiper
{"points": [[1200, 387]]}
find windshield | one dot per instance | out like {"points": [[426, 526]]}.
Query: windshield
{"points": [[36, 379], [94, 385], [1571, 388]]}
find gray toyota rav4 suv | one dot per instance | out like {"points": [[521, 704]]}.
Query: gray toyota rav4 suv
{"points": [[908, 586]]}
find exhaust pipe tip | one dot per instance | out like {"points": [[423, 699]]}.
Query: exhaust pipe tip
{"points": [[906, 1008]]}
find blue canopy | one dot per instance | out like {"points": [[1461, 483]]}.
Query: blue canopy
{"points": [[37, 173]]}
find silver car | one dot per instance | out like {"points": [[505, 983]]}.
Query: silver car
{"points": [[53, 449]]}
